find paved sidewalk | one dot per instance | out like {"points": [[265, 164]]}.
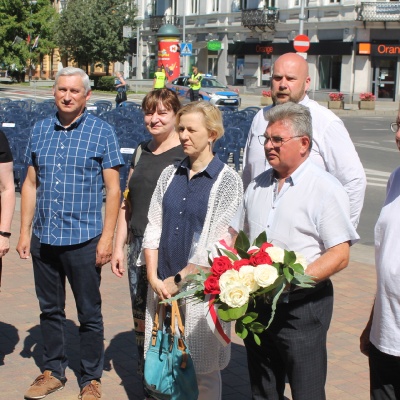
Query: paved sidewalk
{"points": [[20, 341]]}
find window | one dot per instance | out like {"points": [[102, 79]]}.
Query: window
{"points": [[330, 68], [215, 5], [195, 6]]}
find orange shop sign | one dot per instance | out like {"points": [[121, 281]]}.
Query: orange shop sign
{"points": [[381, 49]]}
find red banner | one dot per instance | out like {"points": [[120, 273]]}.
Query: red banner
{"points": [[169, 57]]}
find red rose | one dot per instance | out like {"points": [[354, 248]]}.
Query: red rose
{"points": [[211, 285], [220, 265], [239, 263], [260, 258], [265, 246]]}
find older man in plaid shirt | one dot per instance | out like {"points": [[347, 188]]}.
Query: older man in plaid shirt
{"points": [[70, 157]]}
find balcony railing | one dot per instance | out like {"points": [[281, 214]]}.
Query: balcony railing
{"points": [[262, 19], [156, 21], [379, 12]]}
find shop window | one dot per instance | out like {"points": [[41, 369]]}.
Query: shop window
{"points": [[330, 72], [266, 63]]}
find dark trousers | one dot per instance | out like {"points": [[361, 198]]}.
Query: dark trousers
{"points": [[384, 371], [294, 346], [51, 264], [194, 95]]}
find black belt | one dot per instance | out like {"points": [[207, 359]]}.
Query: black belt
{"points": [[300, 294]]}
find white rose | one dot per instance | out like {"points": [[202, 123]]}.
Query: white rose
{"points": [[253, 249], [235, 295], [276, 253], [265, 275], [300, 259], [246, 275], [229, 277]]}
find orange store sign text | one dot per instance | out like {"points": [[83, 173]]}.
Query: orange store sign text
{"points": [[264, 49], [388, 49]]}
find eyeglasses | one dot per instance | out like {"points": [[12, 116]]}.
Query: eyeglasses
{"points": [[276, 141], [394, 126]]}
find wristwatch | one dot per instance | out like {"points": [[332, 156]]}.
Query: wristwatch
{"points": [[5, 234], [177, 279]]}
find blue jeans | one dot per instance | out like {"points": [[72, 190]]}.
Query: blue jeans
{"points": [[51, 265]]}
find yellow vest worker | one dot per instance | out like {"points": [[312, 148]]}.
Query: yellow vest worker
{"points": [[159, 79], [195, 84]]}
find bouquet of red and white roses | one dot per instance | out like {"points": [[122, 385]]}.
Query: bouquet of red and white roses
{"points": [[245, 274]]}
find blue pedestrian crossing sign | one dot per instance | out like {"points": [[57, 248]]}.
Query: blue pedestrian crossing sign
{"points": [[186, 49]]}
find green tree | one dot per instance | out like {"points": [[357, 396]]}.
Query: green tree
{"points": [[20, 20], [75, 31], [91, 31]]}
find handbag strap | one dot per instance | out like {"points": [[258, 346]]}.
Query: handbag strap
{"points": [[156, 325], [177, 319]]}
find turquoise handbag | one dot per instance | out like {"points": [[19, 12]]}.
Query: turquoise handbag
{"points": [[169, 372]]}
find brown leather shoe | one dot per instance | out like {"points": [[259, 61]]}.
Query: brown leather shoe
{"points": [[43, 385], [91, 391]]}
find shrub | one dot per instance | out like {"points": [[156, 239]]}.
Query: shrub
{"points": [[106, 83], [266, 93], [337, 96], [367, 96]]}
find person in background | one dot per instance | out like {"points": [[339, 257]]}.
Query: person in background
{"points": [[332, 148], [304, 209], [159, 78], [190, 210], [149, 160], [380, 340], [195, 84], [7, 195], [71, 157], [120, 86]]}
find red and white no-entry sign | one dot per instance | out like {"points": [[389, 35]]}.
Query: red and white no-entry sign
{"points": [[301, 43]]}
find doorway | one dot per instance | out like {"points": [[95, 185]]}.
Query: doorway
{"points": [[384, 78]]}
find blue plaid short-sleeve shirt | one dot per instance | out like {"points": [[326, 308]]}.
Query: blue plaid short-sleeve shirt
{"points": [[69, 164]]}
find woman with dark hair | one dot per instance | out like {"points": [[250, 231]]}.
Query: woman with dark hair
{"points": [[150, 158]]}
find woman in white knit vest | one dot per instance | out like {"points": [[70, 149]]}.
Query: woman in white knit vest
{"points": [[191, 209]]}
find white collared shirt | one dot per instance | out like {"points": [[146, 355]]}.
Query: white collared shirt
{"points": [[332, 149], [385, 330], [309, 215]]}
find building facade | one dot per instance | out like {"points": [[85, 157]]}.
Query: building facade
{"points": [[354, 45]]}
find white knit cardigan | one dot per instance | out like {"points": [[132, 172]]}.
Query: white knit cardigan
{"points": [[226, 194]]}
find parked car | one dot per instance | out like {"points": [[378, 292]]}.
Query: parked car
{"points": [[211, 90]]}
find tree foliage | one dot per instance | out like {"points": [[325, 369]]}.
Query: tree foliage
{"points": [[91, 31], [20, 19]]}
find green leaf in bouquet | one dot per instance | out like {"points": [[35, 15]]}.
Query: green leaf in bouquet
{"points": [[228, 314], [281, 279], [250, 317], [260, 239], [287, 274], [298, 268], [230, 255], [257, 339], [181, 295], [304, 281], [289, 258], [277, 293], [257, 327], [241, 330], [242, 244]]}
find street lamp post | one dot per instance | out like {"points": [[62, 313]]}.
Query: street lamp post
{"points": [[32, 3]]}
